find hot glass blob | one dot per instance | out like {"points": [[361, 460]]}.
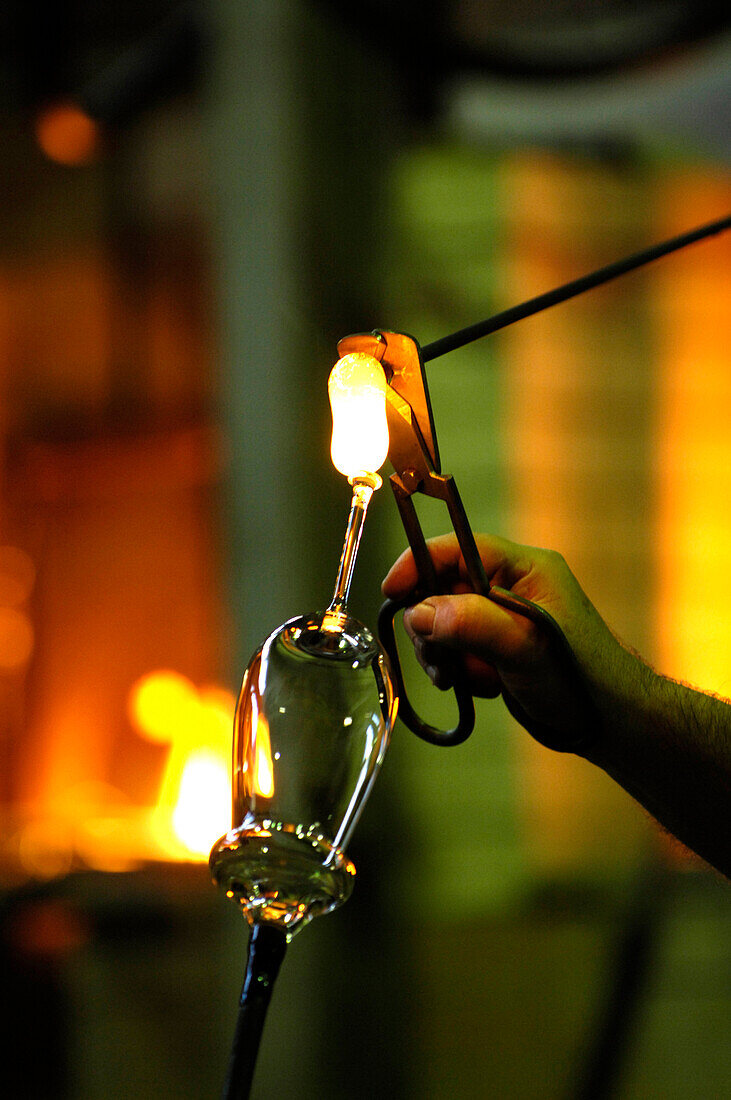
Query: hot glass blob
{"points": [[312, 725], [357, 390]]}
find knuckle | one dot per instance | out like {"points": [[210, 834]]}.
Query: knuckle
{"points": [[550, 556], [451, 621], [552, 562], [456, 620]]}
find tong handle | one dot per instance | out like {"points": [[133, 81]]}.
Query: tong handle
{"points": [[443, 488], [546, 735], [407, 714]]}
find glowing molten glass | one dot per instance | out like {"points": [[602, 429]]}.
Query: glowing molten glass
{"points": [[357, 390]]}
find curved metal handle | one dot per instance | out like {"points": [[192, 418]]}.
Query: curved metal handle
{"points": [[547, 735], [407, 714]]}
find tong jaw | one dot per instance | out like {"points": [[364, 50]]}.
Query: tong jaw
{"points": [[412, 450]]}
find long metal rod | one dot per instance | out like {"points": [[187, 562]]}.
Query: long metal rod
{"points": [[569, 290], [267, 946]]}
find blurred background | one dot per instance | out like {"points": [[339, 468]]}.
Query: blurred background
{"points": [[199, 200]]}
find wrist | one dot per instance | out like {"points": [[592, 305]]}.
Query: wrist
{"points": [[625, 691]]}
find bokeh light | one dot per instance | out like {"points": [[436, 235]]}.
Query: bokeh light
{"points": [[67, 135]]}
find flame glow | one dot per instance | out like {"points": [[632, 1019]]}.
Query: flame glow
{"points": [[204, 790], [193, 806]]}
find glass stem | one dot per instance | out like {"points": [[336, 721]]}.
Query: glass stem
{"points": [[362, 493]]}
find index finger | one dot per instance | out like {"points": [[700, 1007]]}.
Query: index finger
{"points": [[504, 563], [402, 577]]}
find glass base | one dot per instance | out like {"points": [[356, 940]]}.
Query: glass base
{"points": [[281, 874]]}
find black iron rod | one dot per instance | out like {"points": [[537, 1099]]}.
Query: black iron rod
{"points": [[628, 982], [569, 290], [267, 946]]}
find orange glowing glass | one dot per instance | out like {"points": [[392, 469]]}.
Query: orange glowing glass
{"points": [[357, 390]]}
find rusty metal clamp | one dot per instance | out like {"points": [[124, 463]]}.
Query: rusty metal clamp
{"points": [[414, 455]]}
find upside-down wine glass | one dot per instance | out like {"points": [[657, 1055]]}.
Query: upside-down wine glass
{"points": [[312, 725]]}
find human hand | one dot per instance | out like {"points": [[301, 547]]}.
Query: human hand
{"points": [[665, 742], [504, 652]]}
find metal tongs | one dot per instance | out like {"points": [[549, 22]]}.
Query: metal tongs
{"points": [[414, 455]]}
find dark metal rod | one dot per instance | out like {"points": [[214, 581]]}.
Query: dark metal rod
{"points": [[569, 290], [628, 981], [267, 946]]}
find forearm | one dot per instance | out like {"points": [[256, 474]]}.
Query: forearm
{"points": [[669, 746]]}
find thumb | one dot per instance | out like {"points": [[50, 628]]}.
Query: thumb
{"points": [[473, 624]]}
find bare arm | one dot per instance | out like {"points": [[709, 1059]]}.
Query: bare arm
{"points": [[667, 744]]}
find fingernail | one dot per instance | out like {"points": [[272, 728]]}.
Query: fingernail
{"points": [[421, 618]]}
